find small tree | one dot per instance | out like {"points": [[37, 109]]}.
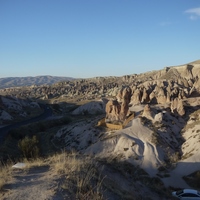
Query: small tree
{"points": [[29, 147]]}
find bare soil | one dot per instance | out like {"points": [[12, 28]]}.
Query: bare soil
{"points": [[32, 184]]}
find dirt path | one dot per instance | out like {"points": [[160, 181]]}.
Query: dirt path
{"points": [[33, 184]]}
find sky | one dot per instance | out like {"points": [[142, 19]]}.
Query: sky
{"points": [[90, 38]]}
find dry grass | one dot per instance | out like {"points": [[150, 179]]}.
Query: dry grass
{"points": [[6, 169], [63, 163], [37, 162], [81, 178], [5, 173]]}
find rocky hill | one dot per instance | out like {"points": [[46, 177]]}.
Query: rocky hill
{"points": [[155, 87], [27, 81], [162, 139]]}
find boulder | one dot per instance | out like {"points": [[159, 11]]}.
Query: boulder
{"points": [[19, 165], [158, 117]]}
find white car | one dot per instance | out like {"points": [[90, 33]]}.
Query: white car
{"points": [[188, 194]]}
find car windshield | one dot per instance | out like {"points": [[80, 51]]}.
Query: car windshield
{"points": [[179, 192]]}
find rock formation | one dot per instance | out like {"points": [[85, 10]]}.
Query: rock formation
{"points": [[126, 96], [136, 97], [158, 117], [145, 96], [177, 107], [148, 113], [112, 111], [152, 87], [117, 110]]}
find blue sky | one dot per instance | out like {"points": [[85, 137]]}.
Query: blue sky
{"points": [[88, 38]]}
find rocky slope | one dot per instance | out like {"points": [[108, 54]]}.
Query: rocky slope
{"points": [[155, 87], [13, 109], [163, 139], [161, 142]]}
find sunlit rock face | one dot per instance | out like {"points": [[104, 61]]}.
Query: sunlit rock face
{"points": [[136, 97], [177, 107], [117, 110], [112, 111], [126, 96], [148, 113]]}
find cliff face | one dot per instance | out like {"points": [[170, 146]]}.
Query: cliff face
{"points": [[117, 110]]}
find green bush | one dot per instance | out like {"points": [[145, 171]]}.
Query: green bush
{"points": [[29, 147]]}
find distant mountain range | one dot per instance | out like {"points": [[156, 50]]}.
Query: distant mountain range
{"points": [[29, 80]]}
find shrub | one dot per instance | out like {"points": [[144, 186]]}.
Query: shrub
{"points": [[17, 133], [29, 147], [42, 127], [193, 180]]}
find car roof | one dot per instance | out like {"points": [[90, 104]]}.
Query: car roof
{"points": [[190, 191]]}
